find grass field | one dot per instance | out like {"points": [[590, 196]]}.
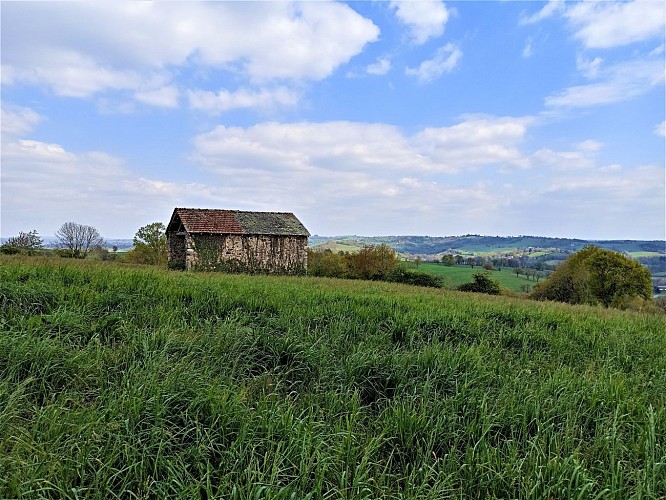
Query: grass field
{"points": [[636, 255], [457, 275], [121, 382]]}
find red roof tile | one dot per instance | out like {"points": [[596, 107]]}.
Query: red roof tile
{"points": [[213, 221], [200, 220]]}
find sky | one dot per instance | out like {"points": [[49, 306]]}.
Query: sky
{"points": [[367, 118]]}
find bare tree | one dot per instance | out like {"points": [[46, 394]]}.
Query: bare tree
{"points": [[23, 243], [78, 239]]}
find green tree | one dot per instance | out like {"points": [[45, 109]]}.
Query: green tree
{"points": [[374, 262], [448, 260], [482, 283], [150, 245], [327, 263], [23, 243], [596, 276]]}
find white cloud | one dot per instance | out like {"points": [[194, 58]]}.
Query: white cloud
{"points": [[590, 146], [603, 25], [73, 75], [445, 60], [619, 82], [527, 49], [17, 121], [381, 67], [44, 185], [345, 177], [81, 49], [475, 142], [602, 203], [658, 51], [165, 97], [583, 157], [589, 68], [356, 147], [425, 19], [223, 100], [373, 179], [661, 129], [343, 174], [617, 184], [552, 7], [309, 147], [607, 24]]}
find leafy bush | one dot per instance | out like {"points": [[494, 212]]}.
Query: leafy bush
{"points": [[596, 276], [401, 275], [326, 263], [372, 262], [482, 283]]}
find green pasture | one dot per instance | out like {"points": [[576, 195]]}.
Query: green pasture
{"points": [[457, 275], [128, 382], [637, 255], [339, 247]]}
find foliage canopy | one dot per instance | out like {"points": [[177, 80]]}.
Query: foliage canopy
{"points": [[373, 262], [482, 283], [150, 245], [597, 276]]}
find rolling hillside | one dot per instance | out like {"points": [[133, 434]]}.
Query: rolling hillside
{"points": [[136, 382], [486, 245]]}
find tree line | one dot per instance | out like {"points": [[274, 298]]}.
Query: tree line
{"points": [[80, 241]]}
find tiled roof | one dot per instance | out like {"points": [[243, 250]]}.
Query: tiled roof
{"points": [[212, 221]]}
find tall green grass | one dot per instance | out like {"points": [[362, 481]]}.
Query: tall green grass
{"points": [[117, 382]]}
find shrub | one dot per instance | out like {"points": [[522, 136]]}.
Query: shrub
{"points": [[374, 262], [482, 283], [401, 275], [326, 263]]}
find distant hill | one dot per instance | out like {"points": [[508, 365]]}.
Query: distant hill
{"points": [[487, 245], [121, 243]]}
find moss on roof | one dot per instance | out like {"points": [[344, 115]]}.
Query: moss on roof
{"points": [[212, 221]]}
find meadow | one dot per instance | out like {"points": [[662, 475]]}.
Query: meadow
{"points": [[453, 276], [130, 382]]}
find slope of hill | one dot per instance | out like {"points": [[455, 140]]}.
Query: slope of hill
{"points": [[117, 381], [479, 245]]}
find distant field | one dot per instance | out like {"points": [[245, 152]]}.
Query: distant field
{"points": [[636, 255], [122, 382], [457, 275], [493, 245], [339, 247]]}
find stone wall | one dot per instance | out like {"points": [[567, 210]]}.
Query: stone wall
{"points": [[247, 253], [177, 251]]}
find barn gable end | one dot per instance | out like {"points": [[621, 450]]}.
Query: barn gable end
{"points": [[237, 241]]}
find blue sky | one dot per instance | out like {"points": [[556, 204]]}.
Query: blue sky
{"points": [[369, 118]]}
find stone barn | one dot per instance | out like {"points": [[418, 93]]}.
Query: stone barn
{"points": [[236, 241]]}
